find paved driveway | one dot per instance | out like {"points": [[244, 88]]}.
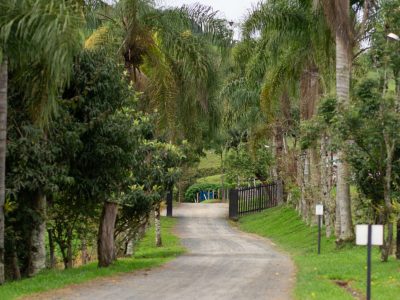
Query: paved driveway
{"points": [[222, 264]]}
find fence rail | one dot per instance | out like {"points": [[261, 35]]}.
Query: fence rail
{"points": [[254, 199]]}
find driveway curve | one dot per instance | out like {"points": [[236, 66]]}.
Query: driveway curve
{"points": [[222, 263]]}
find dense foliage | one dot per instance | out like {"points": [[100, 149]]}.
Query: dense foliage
{"points": [[110, 107], [193, 190]]}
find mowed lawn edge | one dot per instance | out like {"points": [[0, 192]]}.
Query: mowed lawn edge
{"points": [[334, 274], [146, 256]]}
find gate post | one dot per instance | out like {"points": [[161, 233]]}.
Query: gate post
{"points": [[233, 204], [169, 203]]}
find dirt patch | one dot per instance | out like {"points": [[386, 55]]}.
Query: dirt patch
{"points": [[346, 286]]}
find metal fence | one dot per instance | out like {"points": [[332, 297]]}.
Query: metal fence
{"points": [[254, 199]]}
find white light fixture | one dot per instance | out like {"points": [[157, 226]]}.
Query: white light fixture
{"points": [[376, 235], [319, 209], [393, 36]]}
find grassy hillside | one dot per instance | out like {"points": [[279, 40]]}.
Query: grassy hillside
{"points": [[146, 256], [210, 179], [211, 160], [319, 276]]}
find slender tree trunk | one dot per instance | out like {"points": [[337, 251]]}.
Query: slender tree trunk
{"points": [[343, 201], [387, 191], [129, 248], [326, 185], [37, 251], [84, 251], [398, 239], [337, 218], [52, 262], [69, 263], [278, 139], [3, 141], [315, 180], [16, 272], [157, 224], [105, 241], [222, 176]]}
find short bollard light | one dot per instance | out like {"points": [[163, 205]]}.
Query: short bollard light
{"points": [[319, 211], [369, 235]]}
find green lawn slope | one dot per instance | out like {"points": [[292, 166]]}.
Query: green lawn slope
{"points": [[319, 276]]}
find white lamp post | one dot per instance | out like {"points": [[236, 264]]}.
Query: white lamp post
{"points": [[369, 235], [319, 211]]}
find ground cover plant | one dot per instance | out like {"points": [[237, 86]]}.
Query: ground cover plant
{"points": [[147, 255]]}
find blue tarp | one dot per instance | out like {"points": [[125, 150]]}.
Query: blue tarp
{"points": [[206, 195]]}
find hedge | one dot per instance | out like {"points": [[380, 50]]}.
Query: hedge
{"points": [[192, 191]]}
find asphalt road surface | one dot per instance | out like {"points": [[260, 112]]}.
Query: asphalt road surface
{"points": [[222, 263]]}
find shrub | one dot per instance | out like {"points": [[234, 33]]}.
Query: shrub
{"points": [[191, 192]]}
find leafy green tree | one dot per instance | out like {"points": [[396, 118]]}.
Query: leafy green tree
{"points": [[38, 41], [99, 100], [371, 125], [242, 165]]}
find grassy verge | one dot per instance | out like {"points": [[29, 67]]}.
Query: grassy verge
{"points": [[317, 273], [212, 201], [146, 256]]}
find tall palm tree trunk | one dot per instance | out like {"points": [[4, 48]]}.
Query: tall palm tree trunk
{"points": [[343, 69], [3, 136]]}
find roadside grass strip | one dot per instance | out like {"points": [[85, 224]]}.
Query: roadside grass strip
{"points": [[146, 256], [334, 274]]}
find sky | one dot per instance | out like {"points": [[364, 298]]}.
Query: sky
{"points": [[233, 10]]}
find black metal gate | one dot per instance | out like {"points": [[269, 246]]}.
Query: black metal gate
{"points": [[254, 199]]}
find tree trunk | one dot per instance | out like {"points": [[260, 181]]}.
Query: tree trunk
{"points": [[222, 176], [157, 224], [129, 248], [37, 251], [343, 69], [52, 262], [309, 95], [84, 252], [387, 192], [16, 272], [105, 242], [315, 181], [398, 239], [326, 185], [69, 263], [346, 232], [3, 138]]}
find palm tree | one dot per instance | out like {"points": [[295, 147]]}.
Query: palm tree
{"points": [[348, 31], [293, 57], [38, 42], [170, 57], [173, 56]]}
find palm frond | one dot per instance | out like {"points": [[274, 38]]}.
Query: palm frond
{"points": [[41, 39]]}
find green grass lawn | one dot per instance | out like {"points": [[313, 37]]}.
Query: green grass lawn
{"points": [[211, 160], [216, 179], [146, 256], [317, 273]]}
